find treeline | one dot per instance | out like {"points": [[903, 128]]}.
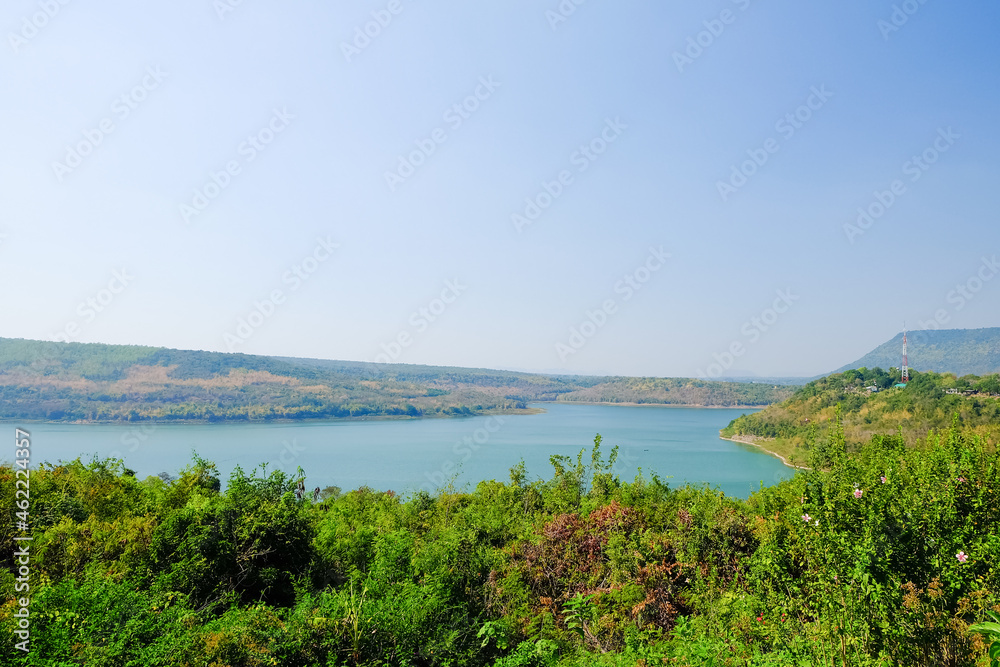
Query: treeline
{"points": [[680, 391], [232, 405], [880, 557]]}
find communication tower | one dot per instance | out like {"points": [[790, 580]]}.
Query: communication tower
{"points": [[905, 368]]}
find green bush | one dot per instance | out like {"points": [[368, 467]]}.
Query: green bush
{"points": [[881, 554]]}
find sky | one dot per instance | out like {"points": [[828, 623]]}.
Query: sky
{"points": [[656, 189]]}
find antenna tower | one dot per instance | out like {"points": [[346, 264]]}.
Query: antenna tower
{"points": [[905, 369]]}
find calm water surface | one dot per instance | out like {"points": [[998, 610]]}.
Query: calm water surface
{"points": [[681, 443]]}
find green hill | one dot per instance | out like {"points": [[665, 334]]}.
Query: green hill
{"points": [[958, 351], [871, 404], [93, 382]]}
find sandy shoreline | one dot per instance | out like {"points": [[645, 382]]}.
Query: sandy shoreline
{"points": [[762, 447]]}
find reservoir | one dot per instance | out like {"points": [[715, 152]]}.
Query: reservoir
{"points": [[680, 445]]}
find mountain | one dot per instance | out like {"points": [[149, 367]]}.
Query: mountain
{"points": [[94, 382], [958, 351]]}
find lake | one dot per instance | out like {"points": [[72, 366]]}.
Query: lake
{"points": [[680, 443]]}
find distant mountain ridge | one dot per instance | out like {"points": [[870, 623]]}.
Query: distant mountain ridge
{"points": [[958, 351]]}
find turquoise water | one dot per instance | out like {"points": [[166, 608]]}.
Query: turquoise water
{"points": [[682, 443]]}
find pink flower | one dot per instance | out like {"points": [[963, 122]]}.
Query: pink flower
{"points": [[858, 493], [884, 480], [806, 518], [962, 556], [961, 480]]}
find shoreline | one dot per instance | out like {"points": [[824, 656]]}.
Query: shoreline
{"points": [[660, 405], [230, 422], [536, 409], [764, 449]]}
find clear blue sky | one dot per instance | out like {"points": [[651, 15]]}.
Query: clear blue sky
{"points": [[675, 121]]}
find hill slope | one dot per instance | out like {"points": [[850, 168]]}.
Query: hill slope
{"points": [[958, 351], [930, 401], [93, 382]]}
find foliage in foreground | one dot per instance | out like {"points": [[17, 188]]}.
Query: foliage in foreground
{"points": [[880, 557]]}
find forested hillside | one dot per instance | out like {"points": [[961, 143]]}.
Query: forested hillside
{"points": [[91, 382], [870, 404], [679, 391]]}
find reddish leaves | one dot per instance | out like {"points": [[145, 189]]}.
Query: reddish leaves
{"points": [[570, 556]]}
